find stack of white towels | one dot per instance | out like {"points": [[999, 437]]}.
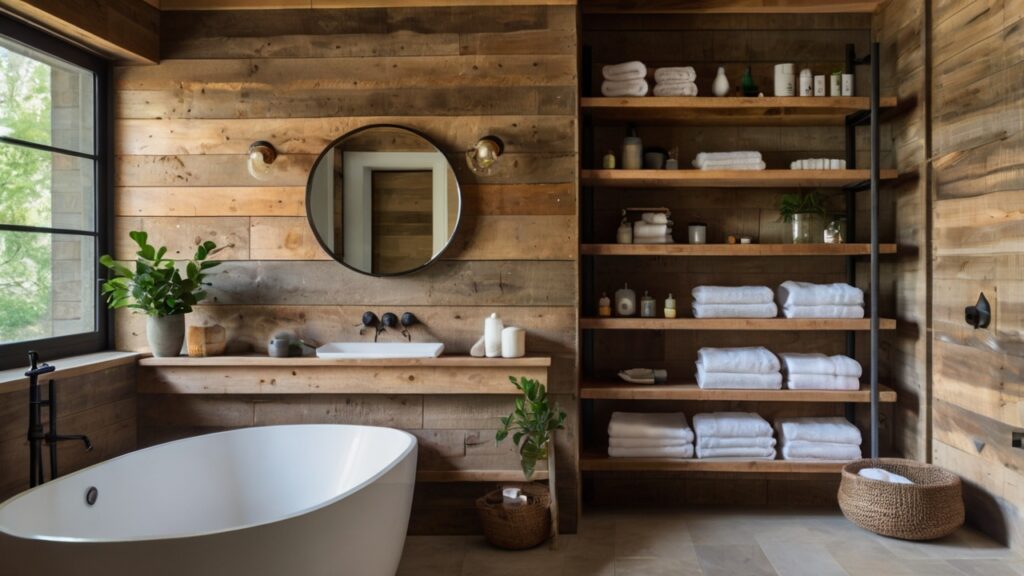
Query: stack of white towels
{"points": [[652, 228], [626, 79], [820, 372], [729, 161], [678, 81], [658, 435], [754, 368], [740, 435], [816, 438], [807, 300], [734, 302]]}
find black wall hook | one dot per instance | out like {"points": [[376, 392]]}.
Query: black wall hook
{"points": [[979, 315]]}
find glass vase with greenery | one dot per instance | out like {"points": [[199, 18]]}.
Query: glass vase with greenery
{"points": [[805, 213], [159, 289], [532, 424]]}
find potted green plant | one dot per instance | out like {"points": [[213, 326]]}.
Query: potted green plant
{"points": [[158, 288], [532, 424], [805, 214]]}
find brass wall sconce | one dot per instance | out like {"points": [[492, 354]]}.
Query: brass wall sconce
{"points": [[482, 156], [261, 155]]}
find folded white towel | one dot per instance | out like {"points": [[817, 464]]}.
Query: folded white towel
{"points": [[676, 89], [733, 165], [716, 442], [642, 229], [792, 293], [735, 310], [751, 360], [733, 381], [650, 425], [819, 451], [733, 295], [675, 74], [846, 366], [884, 476], [752, 452], [816, 429], [825, 311], [620, 88], [634, 70], [685, 451], [794, 363], [654, 217], [655, 240], [646, 442], [731, 425], [741, 156], [821, 382]]}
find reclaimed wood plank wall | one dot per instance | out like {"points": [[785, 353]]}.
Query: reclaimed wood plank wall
{"points": [[977, 119], [299, 79]]}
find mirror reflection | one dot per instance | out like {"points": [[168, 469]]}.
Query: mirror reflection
{"points": [[383, 200]]}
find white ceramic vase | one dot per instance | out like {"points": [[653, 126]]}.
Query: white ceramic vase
{"points": [[720, 87]]}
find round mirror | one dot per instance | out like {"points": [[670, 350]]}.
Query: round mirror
{"points": [[383, 200]]}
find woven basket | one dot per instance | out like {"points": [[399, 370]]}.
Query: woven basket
{"points": [[516, 527], [930, 508]]}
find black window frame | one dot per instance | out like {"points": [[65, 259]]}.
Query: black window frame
{"points": [[15, 354]]}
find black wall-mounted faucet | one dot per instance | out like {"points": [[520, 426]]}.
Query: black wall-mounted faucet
{"points": [[387, 320], [36, 436]]}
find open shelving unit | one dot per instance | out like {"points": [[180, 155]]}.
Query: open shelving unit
{"points": [[846, 112]]}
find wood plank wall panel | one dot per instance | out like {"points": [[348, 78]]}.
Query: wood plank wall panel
{"points": [[100, 404], [299, 79], [978, 149]]}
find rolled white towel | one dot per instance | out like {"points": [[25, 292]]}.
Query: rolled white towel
{"points": [[740, 156], [733, 165], [816, 429], [650, 425], [735, 381], [619, 442], [794, 363], [633, 70], [667, 239], [716, 442], [685, 451], [733, 295], [819, 451], [793, 293], [735, 310], [751, 452], [620, 88], [846, 366], [821, 382], [654, 217], [750, 360], [884, 476], [675, 74], [642, 229], [676, 89], [731, 425], [827, 311]]}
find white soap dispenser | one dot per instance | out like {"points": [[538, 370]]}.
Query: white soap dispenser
{"points": [[720, 87], [492, 336]]}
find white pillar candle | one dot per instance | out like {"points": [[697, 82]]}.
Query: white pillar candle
{"points": [[513, 342]]}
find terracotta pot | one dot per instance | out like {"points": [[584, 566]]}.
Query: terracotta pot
{"points": [[166, 335]]}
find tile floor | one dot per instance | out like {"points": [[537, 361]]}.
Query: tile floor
{"points": [[650, 542]]}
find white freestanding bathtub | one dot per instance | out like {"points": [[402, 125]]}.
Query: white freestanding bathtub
{"points": [[278, 500]]}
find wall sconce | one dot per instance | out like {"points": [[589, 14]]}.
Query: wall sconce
{"points": [[484, 154], [261, 155]]}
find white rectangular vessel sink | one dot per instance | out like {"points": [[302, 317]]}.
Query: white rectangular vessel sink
{"points": [[379, 350]]}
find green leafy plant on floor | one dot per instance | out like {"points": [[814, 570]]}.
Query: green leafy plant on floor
{"points": [[156, 286], [801, 203]]}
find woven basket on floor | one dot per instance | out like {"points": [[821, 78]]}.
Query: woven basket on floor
{"points": [[931, 507], [516, 527]]}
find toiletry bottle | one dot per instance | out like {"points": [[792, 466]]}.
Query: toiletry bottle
{"points": [[670, 307], [625, 301], [747, 85], [608, 162], [624, 235], [648, 306], [632, 151], [806, 82], [604, 306], [720, 87], [492, 336], [672, 163]]}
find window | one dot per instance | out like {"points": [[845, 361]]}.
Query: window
{"points": [[53, 170]]}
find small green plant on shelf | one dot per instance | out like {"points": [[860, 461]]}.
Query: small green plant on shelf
{"points": [[801, 203]]}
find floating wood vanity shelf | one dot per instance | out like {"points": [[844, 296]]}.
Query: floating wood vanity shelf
{"points": [[265, 375], [802, 324], [728, 111], [732, 249], [730, 6], [601, 463], [443, 476], [728, 178], [623, 391]]}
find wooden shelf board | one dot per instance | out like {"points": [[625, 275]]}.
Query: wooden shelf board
{"points": [[732, 249], [731, 111], [625, 391], [767, 324], [730, 6], [444, 476], [728, 178], [603, 463], [454, 361]]}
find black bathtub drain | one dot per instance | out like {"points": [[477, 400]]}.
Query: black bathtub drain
{"points": [[90, 495]]}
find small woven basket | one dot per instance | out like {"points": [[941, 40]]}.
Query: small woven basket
{"points": [[516, 527], [930, 508]]}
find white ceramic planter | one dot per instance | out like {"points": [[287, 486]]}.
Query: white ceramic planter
{"points": [[166, 335]]}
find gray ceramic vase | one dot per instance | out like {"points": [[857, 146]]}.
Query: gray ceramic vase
{"points": [[166, 335]]}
